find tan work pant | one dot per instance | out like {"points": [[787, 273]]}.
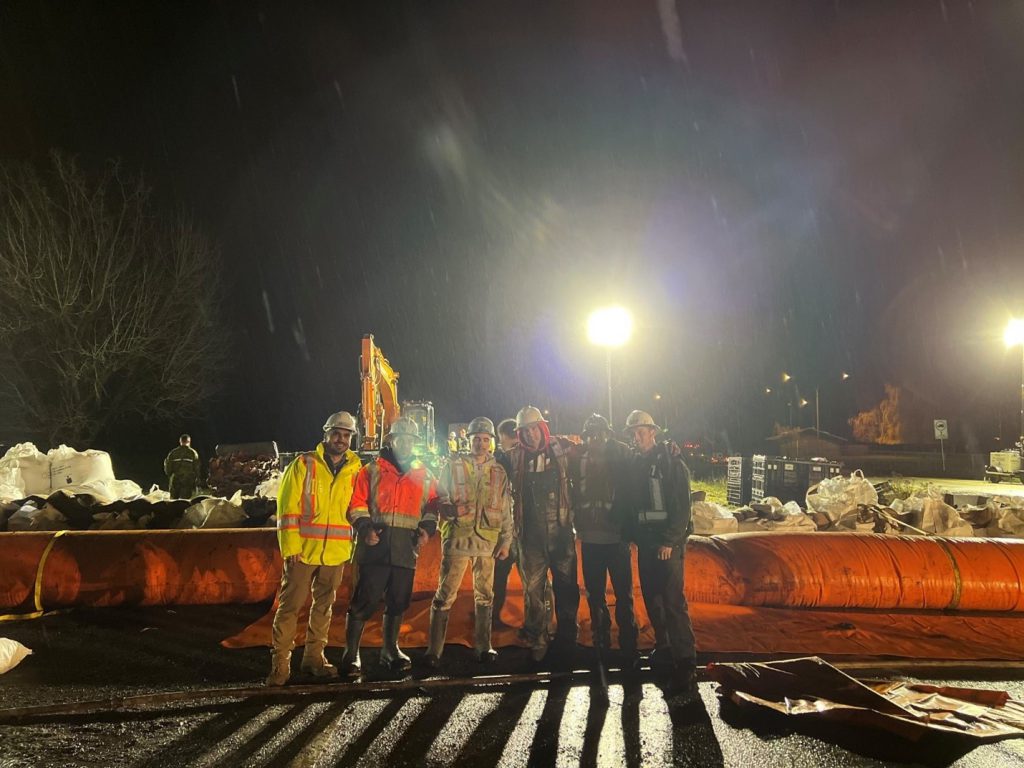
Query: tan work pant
{"points": [[297, 580], [453, 567]]}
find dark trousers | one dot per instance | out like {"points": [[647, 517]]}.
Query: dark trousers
{"points": [[599, 562], [502, 568], [373, 582], [661, 582]]}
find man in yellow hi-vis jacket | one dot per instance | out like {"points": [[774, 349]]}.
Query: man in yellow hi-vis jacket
{"points": [[316, 542]]}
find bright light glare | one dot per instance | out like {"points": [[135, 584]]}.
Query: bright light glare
{"points": [[610, 326], [786, 376], [1014, 333]]}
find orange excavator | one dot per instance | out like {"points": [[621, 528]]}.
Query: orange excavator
{"points": [[380, 407]]}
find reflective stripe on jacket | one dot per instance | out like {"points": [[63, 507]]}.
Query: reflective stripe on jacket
{"points": [[311, 506], [482, 499], [398, 501]]}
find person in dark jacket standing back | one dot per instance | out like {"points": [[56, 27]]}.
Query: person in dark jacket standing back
{"points": [[655, 499], [596, 471]]}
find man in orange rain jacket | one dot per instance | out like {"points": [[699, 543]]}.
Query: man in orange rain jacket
{"points": [[316, 542], [393, 511]]}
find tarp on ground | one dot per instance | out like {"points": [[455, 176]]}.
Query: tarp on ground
{"points": [[810, 688]]}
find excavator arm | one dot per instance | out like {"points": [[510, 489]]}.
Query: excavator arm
{"points": [[380, 394]]}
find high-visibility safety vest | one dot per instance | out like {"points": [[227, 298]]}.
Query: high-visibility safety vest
{"points": [[481, 496], [518, 456], [311, 506], [399, 501]]}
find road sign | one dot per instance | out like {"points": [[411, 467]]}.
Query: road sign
{"points": [[941, 429]]}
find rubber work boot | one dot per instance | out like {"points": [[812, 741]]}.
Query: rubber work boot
{"points": [[315, 663], [438, 632], [391, 655], [485, 652], [353, 635], [280, 668]]}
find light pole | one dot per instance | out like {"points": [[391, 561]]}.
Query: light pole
{"points": [[609, 327], [1014, 335]]}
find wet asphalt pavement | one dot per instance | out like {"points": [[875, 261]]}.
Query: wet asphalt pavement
{"points": [[95, 654]]}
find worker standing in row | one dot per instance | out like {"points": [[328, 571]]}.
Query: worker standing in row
{"points": [[476, 529], [543, 510], [597, 472], [316, 542], [393, 511], [654, 499]]}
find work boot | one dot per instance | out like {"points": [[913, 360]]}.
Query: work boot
{"points": [[628, 654], [485, 652], [683, 679], [280, 667], [353, 635], [315, 663], [438, 632], [391, 655]]}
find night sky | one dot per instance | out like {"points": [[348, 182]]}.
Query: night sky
{"points": [[810, 187]]}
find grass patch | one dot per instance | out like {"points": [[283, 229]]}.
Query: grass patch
{"points": [[904, 487], [715, 488]]}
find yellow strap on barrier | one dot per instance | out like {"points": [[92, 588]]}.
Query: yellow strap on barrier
{"points": [[37, 593]]}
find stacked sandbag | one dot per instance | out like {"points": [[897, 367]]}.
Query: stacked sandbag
{"points": [[215, 513], [929, 513], [242, 468], [710, 519]]}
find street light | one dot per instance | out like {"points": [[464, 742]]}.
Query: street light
{"points": [[609, 327], [1014, 335]]}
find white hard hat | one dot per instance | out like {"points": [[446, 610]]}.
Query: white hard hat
{"points": [[403, 426], [528, 415], [481, 425], [640, 419], [340, 420]]}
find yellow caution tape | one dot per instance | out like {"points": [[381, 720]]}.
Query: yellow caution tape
{"points": [[38, 591]]}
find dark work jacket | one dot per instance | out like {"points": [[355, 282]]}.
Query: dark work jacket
{"points": [[633, 500], [595, 478]]}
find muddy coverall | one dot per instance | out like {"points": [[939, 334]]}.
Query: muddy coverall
{"points": [[547, 542], [481, 500]]}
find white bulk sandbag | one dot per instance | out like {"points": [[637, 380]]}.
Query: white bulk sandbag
{"points": [[11, 485], [11, 654], [269, 487], [710, 519], [939, 517], [32, 465], [215, 513], [1011, 521], [69, 467], [789, 517], [107, 491], [837, 497]]}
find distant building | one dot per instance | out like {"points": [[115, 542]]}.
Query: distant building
{"points": [[806, 443]]}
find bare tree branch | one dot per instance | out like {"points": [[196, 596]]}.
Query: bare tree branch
{"points": [[107, 311]]}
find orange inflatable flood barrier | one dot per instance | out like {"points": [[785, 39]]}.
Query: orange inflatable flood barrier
{"points": [[857, 571], [49, 570], [827, 593]]}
